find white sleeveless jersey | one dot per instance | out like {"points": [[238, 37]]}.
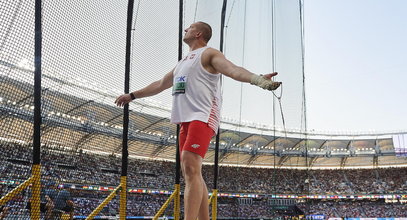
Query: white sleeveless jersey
{"points": [[196, 92]]}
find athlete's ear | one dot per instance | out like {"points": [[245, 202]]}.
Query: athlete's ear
{"points": [[198, 34]]}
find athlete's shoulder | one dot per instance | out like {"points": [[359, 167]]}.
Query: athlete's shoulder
{"points": [[210, 53], [211, 50], [208, 57]]}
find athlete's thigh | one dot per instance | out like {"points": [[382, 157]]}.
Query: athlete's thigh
{"points": [[183, 132], [198, 138]]}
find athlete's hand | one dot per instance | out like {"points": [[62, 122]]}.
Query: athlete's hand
{"points": [[265, 81], [122, 100]]}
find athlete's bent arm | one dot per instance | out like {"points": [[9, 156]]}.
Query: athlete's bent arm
{"points": [[150, 90], [219, 62]]}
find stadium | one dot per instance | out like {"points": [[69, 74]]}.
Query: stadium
{"points": [[61, 132]]}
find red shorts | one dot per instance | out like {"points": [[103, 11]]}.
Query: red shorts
{"points": [[195, 137]]}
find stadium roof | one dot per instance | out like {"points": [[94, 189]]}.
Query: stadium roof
{"points": [[95, 124]]}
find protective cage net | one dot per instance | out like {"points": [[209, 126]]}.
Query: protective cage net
{"points": [[264, 37], [82, 74]]}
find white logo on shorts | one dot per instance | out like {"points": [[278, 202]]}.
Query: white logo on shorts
{"points": [[195, 146]]}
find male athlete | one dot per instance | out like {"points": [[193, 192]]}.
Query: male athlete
{"points": [[196, 107]]}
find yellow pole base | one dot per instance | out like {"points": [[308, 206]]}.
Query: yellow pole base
{"points": [[214, 204], [104, 203], [162, 209], [123, 198], [36, 191], [15, 191], [177, 202]]}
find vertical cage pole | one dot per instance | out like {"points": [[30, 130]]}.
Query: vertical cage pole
{"points": [[125, 152], [36, 169], [216, 165], [177, 199], [180, 36]]}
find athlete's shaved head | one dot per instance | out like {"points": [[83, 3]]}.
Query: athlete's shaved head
{"points": [[206, 30], [200, 31]]}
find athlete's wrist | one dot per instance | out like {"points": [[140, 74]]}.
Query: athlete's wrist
{"points": [[256, 79], [132, 96]]}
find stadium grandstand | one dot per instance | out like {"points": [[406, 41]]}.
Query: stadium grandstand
{"points": [[343, 169], [66, 161]]}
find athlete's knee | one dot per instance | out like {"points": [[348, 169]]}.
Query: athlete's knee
{"points": [[192, 171], [191, 164]]}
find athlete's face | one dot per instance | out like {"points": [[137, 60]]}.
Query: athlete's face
{"points": [[191, 33]]}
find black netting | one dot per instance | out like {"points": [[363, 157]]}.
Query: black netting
{"points": [[265, 152], [16, 86]]}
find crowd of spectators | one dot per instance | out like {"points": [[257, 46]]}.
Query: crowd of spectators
{"points": [[149, 204], [358, 208], [86, 168], [78, 167]]}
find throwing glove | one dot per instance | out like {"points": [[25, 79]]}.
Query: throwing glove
{"points": [[264, 83]]}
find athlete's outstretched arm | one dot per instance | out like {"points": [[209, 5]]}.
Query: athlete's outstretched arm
{"points": [[150, 90], [219, 62]]}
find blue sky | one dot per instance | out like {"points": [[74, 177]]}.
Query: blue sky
{"points": [[355, 64]]}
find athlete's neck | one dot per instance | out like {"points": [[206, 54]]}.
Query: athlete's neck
{"points": [[196, 45]]}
